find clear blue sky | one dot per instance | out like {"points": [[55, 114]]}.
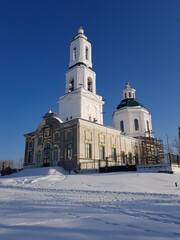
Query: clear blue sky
{"points": [[132, 40]]}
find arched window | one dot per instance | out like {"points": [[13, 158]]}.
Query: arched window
{"points": [[129, 94], [71, 85], [89, 85], [74, 53], [87, 53], [47, 154], [122, 126], [136, 124], [125, 95]]}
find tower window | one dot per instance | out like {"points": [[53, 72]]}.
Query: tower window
{"points": [[125, 95], [130, 94], [71, 85], [122, 126], [87, 53], [89, 83], [147, 125], [136, 124], [74, 53]]}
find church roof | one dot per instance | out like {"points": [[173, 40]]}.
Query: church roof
{"points": [[129, 102]]}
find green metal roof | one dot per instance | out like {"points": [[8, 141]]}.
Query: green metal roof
{"points": [[129, 102]]}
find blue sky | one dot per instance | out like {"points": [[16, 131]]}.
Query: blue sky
{"points": [[132, 40]]}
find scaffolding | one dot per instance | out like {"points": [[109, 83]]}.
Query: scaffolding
{"points": [[151, 150]]}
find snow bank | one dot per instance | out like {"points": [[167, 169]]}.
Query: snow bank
{"points": [[47, 203], [30, 176]]}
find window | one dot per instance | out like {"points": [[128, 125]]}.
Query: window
{"points": [[69, 150], [55, 154], [125, 95], [130, 94], [30, 144], [47, 154], [123, 157], [71, 85], [101, 153], [40, 141], [86, 53], [113, 154], [30, 157], [147, 125], [130, 158], [68, 136], [89, 85], [56, 137], [88, 150], [74, 53], [38, 158], [136, 124], [47, 132], [122, 126]]}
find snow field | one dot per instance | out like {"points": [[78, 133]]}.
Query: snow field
{"points": [[47, 203]]}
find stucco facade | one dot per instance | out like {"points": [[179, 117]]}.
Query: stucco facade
{"points": [[77, 145]]}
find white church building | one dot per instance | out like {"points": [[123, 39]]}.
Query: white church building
{"points": [[76, 139]]}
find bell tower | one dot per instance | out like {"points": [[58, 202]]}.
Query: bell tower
{"points": [[80, 50], [80, 99]]}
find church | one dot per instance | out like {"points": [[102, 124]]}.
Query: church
{"points": [[76, 138]]}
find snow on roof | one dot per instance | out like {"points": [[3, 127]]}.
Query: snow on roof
{"points": [[61, 121]]}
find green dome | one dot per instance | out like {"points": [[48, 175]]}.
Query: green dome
{"points": [[129, 102]]}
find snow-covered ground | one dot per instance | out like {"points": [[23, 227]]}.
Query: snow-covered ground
{"points": [[48, 204]]}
